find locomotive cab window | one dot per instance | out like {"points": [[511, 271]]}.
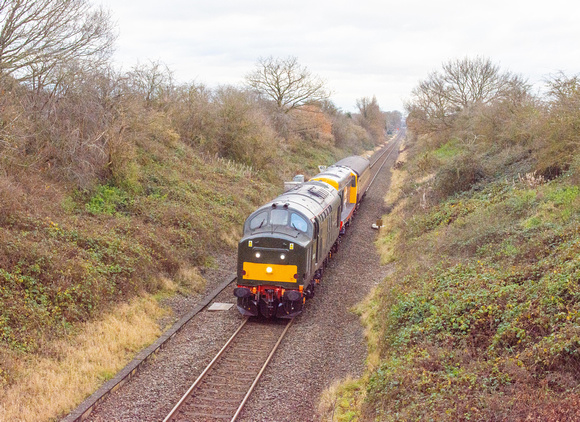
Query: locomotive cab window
{"points": [[299, 223], [260, 220], [279, 217]]}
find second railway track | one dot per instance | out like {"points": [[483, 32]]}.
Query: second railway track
{"points": [[222, 389]]}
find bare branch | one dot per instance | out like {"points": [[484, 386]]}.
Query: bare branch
{"points": [[462, 86], [37, 36], [287, 83]]}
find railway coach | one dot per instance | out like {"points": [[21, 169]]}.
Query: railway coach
{"points": [[287, 242]]}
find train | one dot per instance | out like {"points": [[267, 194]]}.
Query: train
{"points": [[287, 242]]}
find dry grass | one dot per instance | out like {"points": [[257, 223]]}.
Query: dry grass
{"points": [[232, 237], [46, 387], [398, 177], [388, 238], [367, 310], [394, 199], [341, 401], [190, 280]]}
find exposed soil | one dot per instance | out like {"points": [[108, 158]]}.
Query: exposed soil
{"points": [[325, 343]]}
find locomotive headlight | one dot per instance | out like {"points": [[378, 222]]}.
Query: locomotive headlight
{"points": [[282, 256], [258, 254], [269, 270]]}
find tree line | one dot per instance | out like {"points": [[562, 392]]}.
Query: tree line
{"points": [[83, 117], [476, 104]]}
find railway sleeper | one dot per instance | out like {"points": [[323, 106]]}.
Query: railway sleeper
{"points": [[216, 391], [212, 405], [237, 378], [226, 401], [251, 351], [235, 361], [197, 416], [231, 383], [239, 373]]}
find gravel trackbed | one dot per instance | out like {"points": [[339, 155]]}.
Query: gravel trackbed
{"points": [[325, 343]]}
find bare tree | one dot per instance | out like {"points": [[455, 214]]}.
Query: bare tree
{"points": [[371, 118], [564, 90], [38, 36], [154, 81], [394, 120], [287, 83], [463, 85]]}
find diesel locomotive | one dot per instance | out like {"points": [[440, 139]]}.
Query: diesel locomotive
{"points": [[287, 242]]}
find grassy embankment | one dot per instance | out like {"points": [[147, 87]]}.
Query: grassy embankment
{"points": [[82, 270], [77, 255], [480, 319]]}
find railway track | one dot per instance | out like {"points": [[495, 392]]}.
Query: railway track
{"points": [[222, 389], [386, 153]]}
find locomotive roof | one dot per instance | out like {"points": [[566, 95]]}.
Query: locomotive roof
{"points": [[355, 162], [338, 176], [309, 198]]}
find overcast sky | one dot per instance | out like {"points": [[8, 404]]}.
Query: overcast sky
{"points": [[361, 48]]}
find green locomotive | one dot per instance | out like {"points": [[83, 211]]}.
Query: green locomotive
{"points": [[287, 242]]}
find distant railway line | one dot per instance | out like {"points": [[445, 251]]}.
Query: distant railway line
{"points": [[388, 150]]}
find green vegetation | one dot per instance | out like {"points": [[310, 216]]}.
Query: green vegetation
{"points": [[67, 252], [488, 326], [78, 242], [120, 188], [480, 319]]}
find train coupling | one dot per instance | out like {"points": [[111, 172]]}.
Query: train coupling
{"points": [[269, 302]]}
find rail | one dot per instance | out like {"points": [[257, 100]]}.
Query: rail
{"points": [[387, 151], [238, 366], [83, 411]]}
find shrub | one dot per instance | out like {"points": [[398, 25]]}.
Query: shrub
{"points": [[458, 175], [107, 200]]}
